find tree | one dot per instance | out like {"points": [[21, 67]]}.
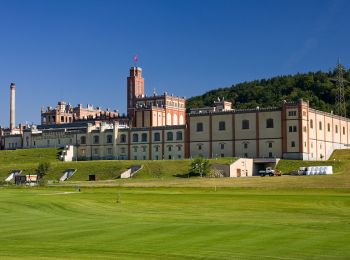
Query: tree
{"points": [[200, 166], [42, 169]]}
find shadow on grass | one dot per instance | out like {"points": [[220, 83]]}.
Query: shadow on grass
{"points": [[185, 175]]}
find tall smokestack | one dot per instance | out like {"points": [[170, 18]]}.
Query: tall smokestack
{"points": [[12, 105]]}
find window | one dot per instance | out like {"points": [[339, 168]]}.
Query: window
{"points": [[246, 155], [83, 140], [270, 145], [135, 137], [269, 123], [292, 113], [179, 147], [304, 113], [320, 125], [292, 144], [109, 151], [144, 137], [48, 142], [109, 139], [156, 148], [304, 129], [292, 128], [245, 124], [59, 141], [96, 139], [329, 127], [144, 148], [343, 130], [156, 137], [222, 126], [336, 129], [222, 146], [62, 118], [199, 127], [270, 154], [311, 123], [122, 150], [169, 148], [178, 135], [96, 151], [169, 136], [135, 149], [199, 147], [123, 138], [245, 145]]}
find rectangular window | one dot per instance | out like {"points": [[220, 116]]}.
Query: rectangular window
{"points": [[245, 145], [270, 145], [270, 154], [199, 127], [222, 146], [199, 147], [290, 129], [222, 126], [245, 124], [109, 151], [179, 147], [328, 127], [96, 151], [320, 125], [311, 123], [294, 128], [292, 113], [343, 130], [292, 144], [144, 148], [336, 129]]}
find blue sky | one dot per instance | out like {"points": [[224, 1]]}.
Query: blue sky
{"points": [[81, 51]]}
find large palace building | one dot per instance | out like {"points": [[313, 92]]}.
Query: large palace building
{"points": [[157, 127]]}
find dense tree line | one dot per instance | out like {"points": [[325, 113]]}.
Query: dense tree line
{"points": [[319, 88]]}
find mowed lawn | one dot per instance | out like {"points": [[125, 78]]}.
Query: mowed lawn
{"points": [[174, 223]]}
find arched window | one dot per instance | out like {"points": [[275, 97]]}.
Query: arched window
{"points": [[175, 119], [168, 119], [178, 135], [83, 140], [269, 123], [135, 137], [156, 136], [181, 120], [123, 138], [169, 136], [245, 124], [144, 137]]}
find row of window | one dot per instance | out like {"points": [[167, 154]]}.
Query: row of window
{"points": [[245, 125], [156, 137], [328, 126], [96, 139], [156, 148]]}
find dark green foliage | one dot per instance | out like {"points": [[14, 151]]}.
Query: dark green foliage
{"points": [[316, 87], [200, 166], [43, 168]]}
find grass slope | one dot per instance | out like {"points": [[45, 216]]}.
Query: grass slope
{"points": [[174, 223]]}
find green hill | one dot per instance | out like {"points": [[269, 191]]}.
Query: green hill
{"points": [[316, 87]]}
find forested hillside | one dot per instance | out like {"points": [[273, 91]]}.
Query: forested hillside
{"points": [[317, 87]]}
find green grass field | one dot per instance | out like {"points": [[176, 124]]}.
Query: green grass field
{"points": [[157, 215], [174, 223]]}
